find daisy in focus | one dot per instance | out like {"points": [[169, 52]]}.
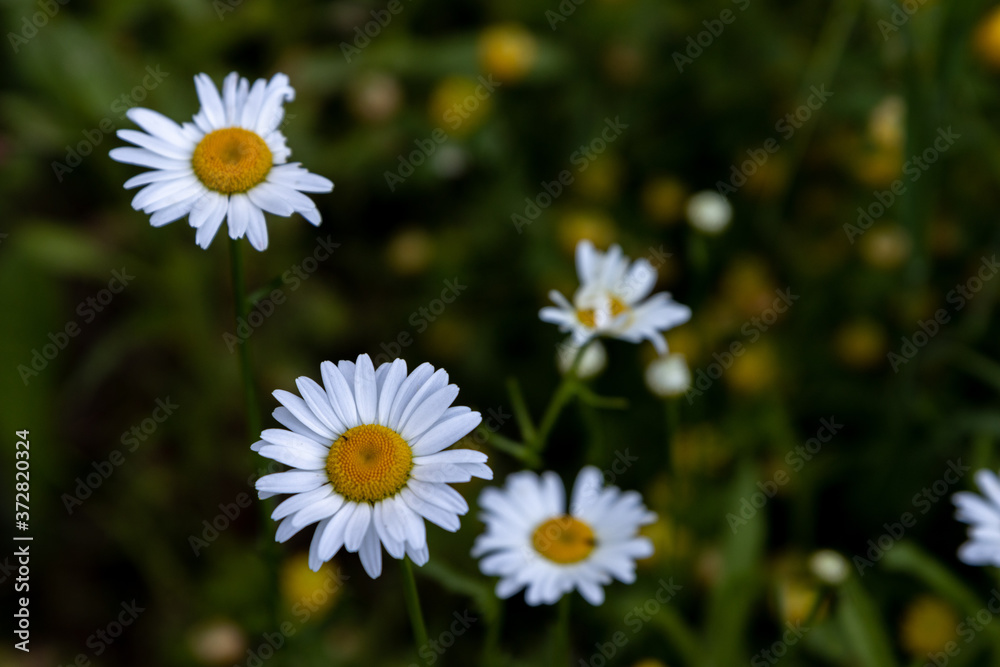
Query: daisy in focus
{"points": [[983, 516], [612, 300], [531, 541], [229, 164], [367, 466]]}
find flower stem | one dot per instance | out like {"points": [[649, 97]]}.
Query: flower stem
{"points": [[564, 392], [253, 421], [242, 310], [413, 608], [561, 651]]}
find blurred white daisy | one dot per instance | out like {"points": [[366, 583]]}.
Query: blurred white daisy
{"points": [[593, 361], [367, 462], [983, 516], [531, 541], [230, 163], [612, 300], [668, 375], [709, 212]]}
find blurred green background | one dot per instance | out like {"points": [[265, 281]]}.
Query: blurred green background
{"points": [[699, 89]]}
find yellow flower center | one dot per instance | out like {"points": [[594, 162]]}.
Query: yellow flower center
{"points": [[231, 160], [564, 539], [369, 463], [586, 315]]}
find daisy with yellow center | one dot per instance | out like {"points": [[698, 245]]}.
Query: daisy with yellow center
{"points": [[366, 458], [229, 164], [531, 541], [613, 300]]}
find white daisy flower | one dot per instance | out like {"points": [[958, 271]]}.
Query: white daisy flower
{"points": [[709, 212], [983, 516], [668, 376], [531, 541], [230, 163], [367, 462], [612, 300], [594, 360]]}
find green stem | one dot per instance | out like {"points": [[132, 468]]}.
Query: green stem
{"points": [[242, 310], [413, 608], [253, 421], [561, 650], [566, 390]]}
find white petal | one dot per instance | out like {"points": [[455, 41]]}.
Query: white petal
{"points": [[315, 561], [301, 410], [340, 393], [441, 495], [437, 515], [445, 434], [156, 176], [357, 527], [209, 206], [390, 387], [319, 406], [257, 228], [371, 553], [155, 144], [271, 112], [365, 390], [293, 504], [586, 490], [211, 103], [173, 212], [165, 193], [332, 538], [407, 390], [318, 510], [294, 457], [146, 158], [429, 412], [229, 97], [294, 481], [239, 215], [160, 126], [213, 220], [269, 197], [251, 108], [453, 456], [279, 436]]}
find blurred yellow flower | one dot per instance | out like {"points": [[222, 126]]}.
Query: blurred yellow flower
{"points": [[986, 40], [769, 178], [670, 542], [301, 588], [650, 662], [699, 448], [577, 225], [684, 340], [747, 285], [885, 246], [601, 180], [218, 642], [460, 104], [410, 251], [877, 167], [623, 63], [507, 51], [374, 97], [797, 597], [663, 199], [861, 343], [928, 624], [887, 123], [753, 371], [946, 236]]}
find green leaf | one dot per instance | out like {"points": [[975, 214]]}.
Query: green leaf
{"points": [[863, 627]]}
